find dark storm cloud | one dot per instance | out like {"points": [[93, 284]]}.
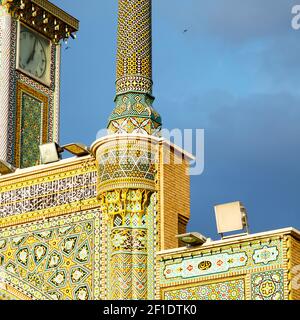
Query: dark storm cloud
{"points": [[259, 127], [252, 154], [280, 60], [231, 20], [239, 25]]}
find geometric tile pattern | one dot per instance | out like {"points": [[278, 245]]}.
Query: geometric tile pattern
{"points": [[5, 44], [12, 82], [227, 290], [133, 111], [56, 96], [31, 131], [133, 125], [134, 114], [133, 83], [268, 285], [134, 42], [135, 104], [126, 162], [31, 125], [152, 244], [126, 212], [57, 260], [128, 277]]}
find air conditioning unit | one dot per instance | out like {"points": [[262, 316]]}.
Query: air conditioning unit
{"points": [[231, 217]]}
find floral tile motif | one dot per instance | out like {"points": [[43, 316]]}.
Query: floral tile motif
{"points": [[227, 290], [265, 255], [267, 285]]}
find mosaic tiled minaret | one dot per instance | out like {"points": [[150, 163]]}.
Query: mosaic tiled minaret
{"points": [[134, 112], [127, 169]]}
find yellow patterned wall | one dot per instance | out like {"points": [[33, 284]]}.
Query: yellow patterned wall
{"points": [[58, 259], [253, 268], [50, 226], [48, 191]]}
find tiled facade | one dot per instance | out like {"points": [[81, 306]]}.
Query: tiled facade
{"points": [[104, 226], [57, 259], [260, 261]]}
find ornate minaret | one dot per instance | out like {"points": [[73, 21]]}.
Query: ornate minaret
{"points": [[127, 168], [30, 34], [133, 112], [141, 206]]}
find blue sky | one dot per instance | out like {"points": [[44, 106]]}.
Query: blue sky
{"points": [[235, 73]]}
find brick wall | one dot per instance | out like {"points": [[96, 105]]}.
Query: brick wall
{"points": [[182, 226], [174, 186], [295, 261]]}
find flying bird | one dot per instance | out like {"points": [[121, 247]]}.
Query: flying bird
{"points": [[185, 30]]}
